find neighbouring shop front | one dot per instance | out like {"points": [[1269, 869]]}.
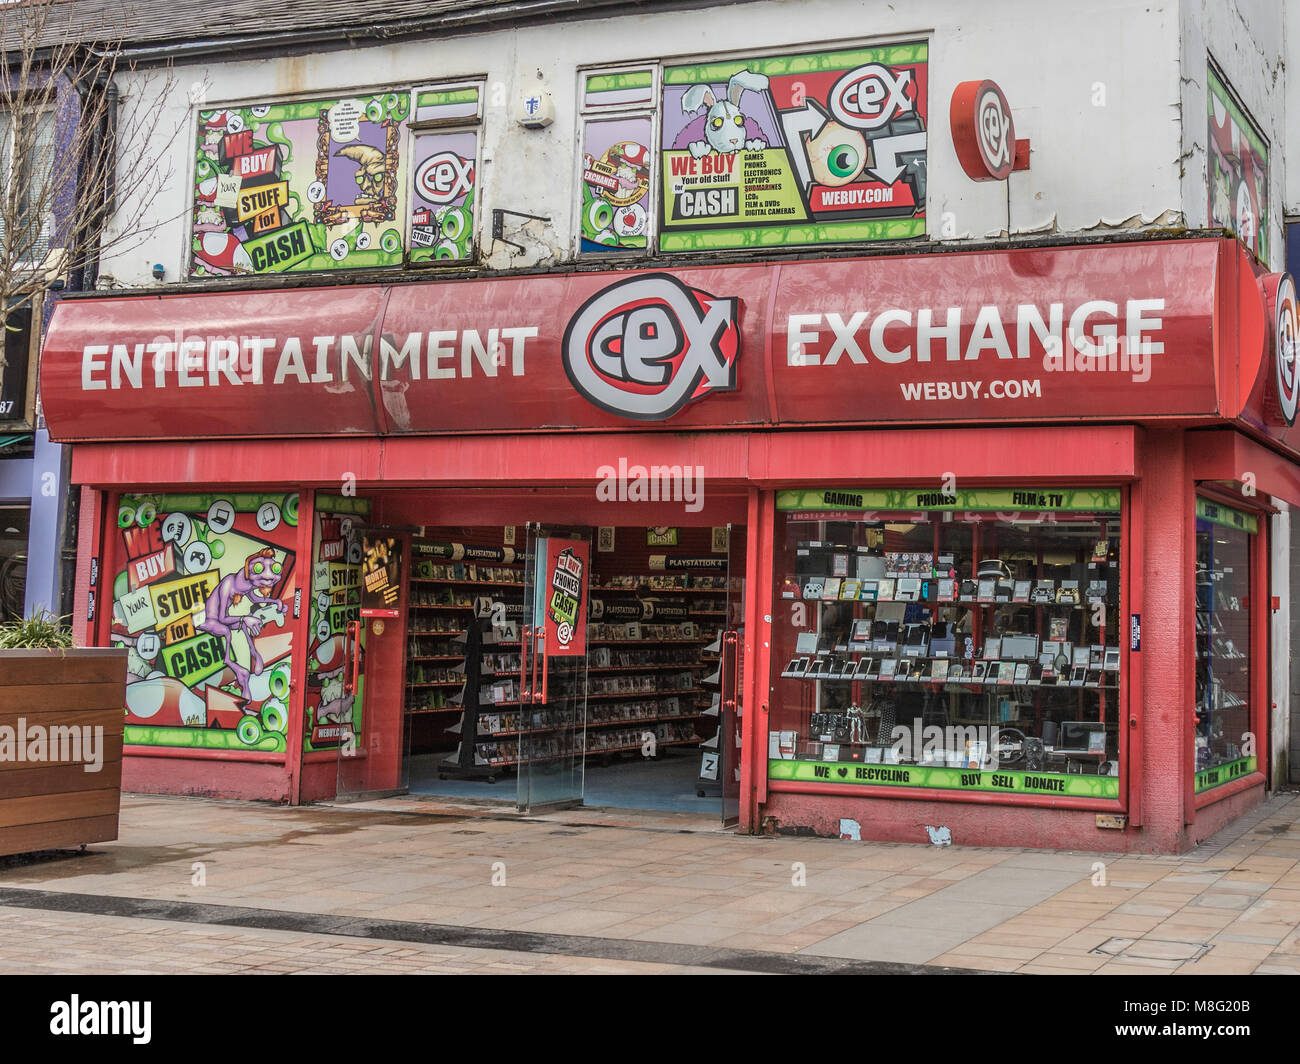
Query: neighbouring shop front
{"points": [[965, 545]]}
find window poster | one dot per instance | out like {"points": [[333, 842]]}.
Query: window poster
{"points": [[445, 169], [1238, 171], [332, 716], [204, 606], [301, 185], [795, 149], [615, 184]]}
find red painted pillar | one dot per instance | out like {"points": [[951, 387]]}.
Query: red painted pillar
{"points": [[758, 665], [1167, 667], [90, 527]]}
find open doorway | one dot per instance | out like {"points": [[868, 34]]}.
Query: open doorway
{"points": [[640, 719]]}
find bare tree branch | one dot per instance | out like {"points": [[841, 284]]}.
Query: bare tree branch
{"points": [[69, 140]]}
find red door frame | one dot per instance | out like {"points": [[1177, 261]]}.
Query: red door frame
{"points": [[1226, 456]]}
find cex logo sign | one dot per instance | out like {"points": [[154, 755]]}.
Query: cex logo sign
{"points": [[645, 347], [1286, 334], [871, 96], [444, 177]]}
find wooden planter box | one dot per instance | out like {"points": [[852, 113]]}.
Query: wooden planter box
{"points": [[54, 803]]}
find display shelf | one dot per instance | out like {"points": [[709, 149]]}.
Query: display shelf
{"points": [[585, 753], [649, 642], [653, 693], [621, 722], [649, 667], [467, 583]]}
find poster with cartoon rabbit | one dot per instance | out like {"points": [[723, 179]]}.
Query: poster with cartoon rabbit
{"points": [[1238, 171], [794, 149]]}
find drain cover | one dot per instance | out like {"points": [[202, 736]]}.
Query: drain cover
{"points": [[1153, 949], [464, 832]]}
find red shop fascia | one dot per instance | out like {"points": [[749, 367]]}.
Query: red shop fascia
{"points": [[1160, 370]]}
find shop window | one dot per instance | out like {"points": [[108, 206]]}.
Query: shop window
{"points": [[1224, 742], [954, 640], [444, 173], [617, 121], [1237, 164], [812, 147], [15, 522], [299, 185]]}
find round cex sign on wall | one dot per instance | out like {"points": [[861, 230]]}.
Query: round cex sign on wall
{"points": [[1280, 298], [982, 130]]}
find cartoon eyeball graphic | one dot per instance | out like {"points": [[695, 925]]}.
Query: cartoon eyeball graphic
{"points": [[363, 241], [600, 214], [260, 111], [315, 192], [339, 250], [630, 220], [836, 155], [235, 123]]}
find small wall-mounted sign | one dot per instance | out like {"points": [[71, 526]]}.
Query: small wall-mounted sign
{"points": [[984, 133]]}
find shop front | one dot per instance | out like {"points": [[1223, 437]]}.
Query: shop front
{"points": [[969, 546]]}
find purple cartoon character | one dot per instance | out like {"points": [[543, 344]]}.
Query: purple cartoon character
{"points": [[261, 572]]}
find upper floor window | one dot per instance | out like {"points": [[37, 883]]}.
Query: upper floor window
{"points": [[444, 172], [1237, 161], [618, 121], [348, 182], [27, 166], [794, 149]]}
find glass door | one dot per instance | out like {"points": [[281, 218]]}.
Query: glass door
{"points": [[372, 749], [730, 675], [553, 667]]}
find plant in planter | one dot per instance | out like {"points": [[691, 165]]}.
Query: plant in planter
{"points": [[62, 709], [41, 630]]}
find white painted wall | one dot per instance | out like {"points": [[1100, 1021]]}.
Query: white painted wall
{"points": [[1095, 88], [1245, 38]]}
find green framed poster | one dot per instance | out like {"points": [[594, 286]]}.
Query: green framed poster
{"points": [[999, 781], [994, 500], [803, 148], [1237, 159]]}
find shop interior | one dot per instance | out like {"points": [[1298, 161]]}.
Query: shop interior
{"points": [[643, 704], [952, 640]]}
